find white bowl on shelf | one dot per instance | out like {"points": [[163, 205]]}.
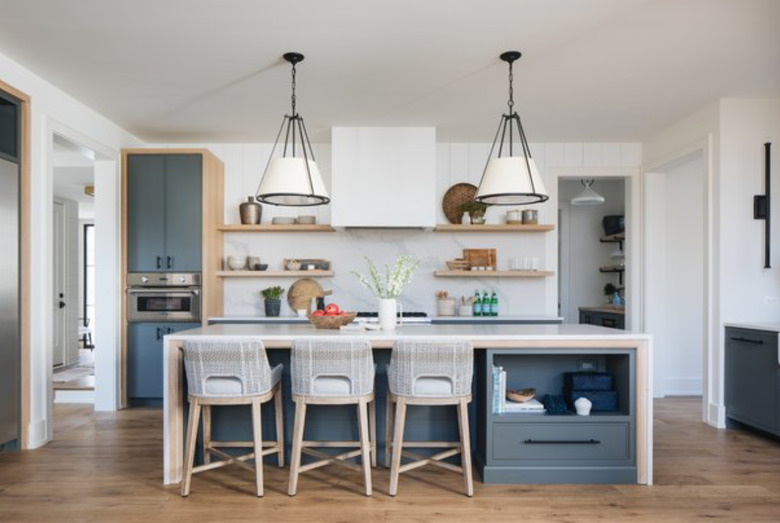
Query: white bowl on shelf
{"points": [[236, 263]]}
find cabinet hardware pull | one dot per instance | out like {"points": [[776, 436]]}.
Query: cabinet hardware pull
{"points": [[747, 340], [159, 333], [159, 262], [562, 441], [169, 262]]}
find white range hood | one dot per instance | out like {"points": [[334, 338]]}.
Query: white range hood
{"points": [[383, 177]]}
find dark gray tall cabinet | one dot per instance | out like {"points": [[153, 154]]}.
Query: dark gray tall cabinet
{"points": [[164, 212], [752, 382], [173, 205], [10, 331]]}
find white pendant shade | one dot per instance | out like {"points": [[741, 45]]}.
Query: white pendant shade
{"points": [[507, 181], [588, 196], [286, 182]]}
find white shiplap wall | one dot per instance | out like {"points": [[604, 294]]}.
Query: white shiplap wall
{"points": [[456, 162]]}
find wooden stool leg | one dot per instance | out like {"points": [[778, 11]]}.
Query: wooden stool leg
{"points": [[398, 444], [192, 436], [465, 446], [372, 430], [295, 460], [257, 433], [206, 433], [279, 425], [365, 444], [388, 428]]}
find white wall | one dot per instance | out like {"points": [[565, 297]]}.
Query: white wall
{"points": [[49, 107], [580, 269], [456, 162], [675, 197]]}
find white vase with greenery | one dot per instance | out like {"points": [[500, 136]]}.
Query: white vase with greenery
{"points": [[387, 286]]}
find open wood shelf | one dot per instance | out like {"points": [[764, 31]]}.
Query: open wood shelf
{"points": [[613, 238], [493, 274], [457, 227], [274, 274], [270, 227]]}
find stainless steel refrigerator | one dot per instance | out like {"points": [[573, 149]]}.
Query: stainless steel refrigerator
{"points": [[10, 351]]}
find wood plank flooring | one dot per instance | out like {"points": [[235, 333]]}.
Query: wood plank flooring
{"points": [[107, 467]]}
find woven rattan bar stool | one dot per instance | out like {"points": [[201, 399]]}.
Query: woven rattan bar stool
{"points": [[429, 373], [333, 372], [230, 372]]}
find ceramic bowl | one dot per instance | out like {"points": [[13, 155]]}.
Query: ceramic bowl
{"points": [[236, 263]]}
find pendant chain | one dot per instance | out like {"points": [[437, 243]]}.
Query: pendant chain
{"points": [[511, 102], [293, 89]]}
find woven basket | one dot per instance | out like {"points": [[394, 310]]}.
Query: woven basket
{"points": [[456, 196], [332, 322], [458, 264]]}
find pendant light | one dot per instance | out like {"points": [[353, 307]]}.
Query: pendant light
{"points": [[293, 178], [588, 196], [511, 177]]}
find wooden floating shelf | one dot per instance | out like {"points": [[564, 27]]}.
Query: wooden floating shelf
{"points": [[613, 238], [270, 227], [274, 274], [493, 274], [457, 227]]}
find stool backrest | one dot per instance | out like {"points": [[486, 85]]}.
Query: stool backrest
{"points": [[432, 368], [226, 368], [341, 367]]}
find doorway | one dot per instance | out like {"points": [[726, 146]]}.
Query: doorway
{"points": [[588, 259], [675, 288], [73, 361]]}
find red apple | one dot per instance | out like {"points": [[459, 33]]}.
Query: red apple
{"points": [[331, 309], [318, 312]]}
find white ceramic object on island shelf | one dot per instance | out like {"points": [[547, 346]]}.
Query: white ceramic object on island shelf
{"points": [[445, 307], [583, 406], [387, 314], [236, 263]]}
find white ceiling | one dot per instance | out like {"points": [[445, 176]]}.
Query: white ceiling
{"points": [[211, 71]]}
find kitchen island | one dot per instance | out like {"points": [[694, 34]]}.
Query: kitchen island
{"points": [[624, 352]]}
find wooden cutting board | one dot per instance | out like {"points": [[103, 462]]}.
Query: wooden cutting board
{"points": [[301, 293]]}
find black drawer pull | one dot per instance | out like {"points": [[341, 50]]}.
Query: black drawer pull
{"points": [[562, 441], [747, 340]]}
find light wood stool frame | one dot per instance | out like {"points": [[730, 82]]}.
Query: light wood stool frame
{"points": [[366, 445], [212, 447], [397, 444]]}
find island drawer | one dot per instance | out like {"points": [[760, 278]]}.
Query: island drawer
{"points": [[562, 441]]}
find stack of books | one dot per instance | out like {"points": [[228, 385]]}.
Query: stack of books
{"points": [[499, 390], [533, 406]]}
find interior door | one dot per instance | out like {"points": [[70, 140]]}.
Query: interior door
{"points": [[59, 279]]}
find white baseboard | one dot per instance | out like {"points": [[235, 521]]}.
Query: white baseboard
{"points": [[683, 387], [74, 396], [716, 415]]}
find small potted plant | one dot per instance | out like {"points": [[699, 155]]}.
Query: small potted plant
{"points": [[609, 291], [476, 210], [273, 300]]}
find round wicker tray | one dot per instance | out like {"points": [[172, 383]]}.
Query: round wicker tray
{"points": [[456, 196], [331, 322]]}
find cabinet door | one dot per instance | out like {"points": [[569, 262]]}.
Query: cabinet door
{"points": [[145, 360], [751, 378], [145, 212], [184, 212]]}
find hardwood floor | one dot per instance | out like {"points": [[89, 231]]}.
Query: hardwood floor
{"points": [[107, 467]]}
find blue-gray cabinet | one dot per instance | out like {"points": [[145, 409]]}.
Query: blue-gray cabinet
{"points": [[164, 212], [566, 448], [145, 359], [752, 384]]}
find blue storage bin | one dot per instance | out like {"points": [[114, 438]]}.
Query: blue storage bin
{"points": [[588, 381]]}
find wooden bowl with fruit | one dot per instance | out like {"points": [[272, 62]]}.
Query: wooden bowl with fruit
{"points": [[331, 317]]}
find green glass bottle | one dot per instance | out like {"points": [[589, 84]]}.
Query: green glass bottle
{"points": [[494, 304], [477, 306]]}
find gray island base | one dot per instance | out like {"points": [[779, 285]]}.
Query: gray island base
{"points": [[605, 447]]}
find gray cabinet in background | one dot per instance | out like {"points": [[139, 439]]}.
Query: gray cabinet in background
{"points": [[753, 379], [164, 212]]}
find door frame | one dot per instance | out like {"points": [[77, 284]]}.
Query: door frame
{"points": [[24, 260], [712, 357]]}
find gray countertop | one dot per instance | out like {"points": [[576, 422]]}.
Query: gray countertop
{"points": [[760, 326]]}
